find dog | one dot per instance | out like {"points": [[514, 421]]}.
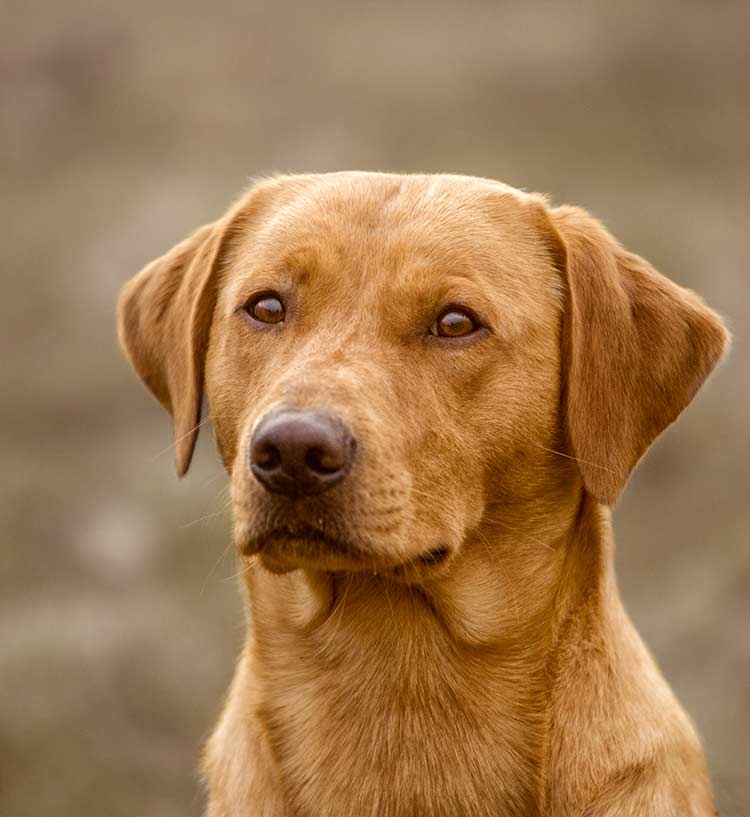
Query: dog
{"points": [[427, 392]]}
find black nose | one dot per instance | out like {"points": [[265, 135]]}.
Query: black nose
{"points": [[300, 452]]}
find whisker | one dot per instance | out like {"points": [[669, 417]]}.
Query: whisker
{"points": [[200, 519], [246, 569], [571, 457], [507, 586], [215, 565], [424, 493], [328, 643], [213, 479], [180, 439], [390, 604], [517, 531]]}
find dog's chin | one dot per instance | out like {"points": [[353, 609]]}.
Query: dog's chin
{"points": [[282, 551]]}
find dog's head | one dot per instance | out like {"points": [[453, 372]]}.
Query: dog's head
{"points": [[386, 357]]}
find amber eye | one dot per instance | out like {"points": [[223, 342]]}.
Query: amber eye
{"points": [[266, 308], [454, 323]]}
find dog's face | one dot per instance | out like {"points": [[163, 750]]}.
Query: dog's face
{"points": [[410, 328], [387, 357]]}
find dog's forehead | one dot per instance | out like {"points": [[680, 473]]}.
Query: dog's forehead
{"points": [[344, 216], [372, 200]]}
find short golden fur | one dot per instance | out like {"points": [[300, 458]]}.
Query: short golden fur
{"points": [[507, 681]]}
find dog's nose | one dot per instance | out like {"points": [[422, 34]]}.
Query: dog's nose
{"points": [[300, 452]]}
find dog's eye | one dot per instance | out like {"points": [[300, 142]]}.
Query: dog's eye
{"points": [[266, 308], [454, 323]]}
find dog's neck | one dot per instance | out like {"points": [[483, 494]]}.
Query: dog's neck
{"points": [[338, 657]]}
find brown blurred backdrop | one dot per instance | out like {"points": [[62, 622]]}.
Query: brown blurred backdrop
{"points": [[124, 126]]}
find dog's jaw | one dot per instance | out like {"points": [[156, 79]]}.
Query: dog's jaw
{"points": [[349, 680]]}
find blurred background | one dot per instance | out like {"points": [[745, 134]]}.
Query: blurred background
{"points": [[126, 125]]}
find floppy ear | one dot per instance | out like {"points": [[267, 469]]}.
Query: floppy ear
{"points": [[636, 349], [165, 313], [164, 319]]}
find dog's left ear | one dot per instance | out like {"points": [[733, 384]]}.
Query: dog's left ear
{"points": [[164, 318], [636, 349]]}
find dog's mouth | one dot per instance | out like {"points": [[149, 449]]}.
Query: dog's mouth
{"points": [[305, 540], [284, 549]]}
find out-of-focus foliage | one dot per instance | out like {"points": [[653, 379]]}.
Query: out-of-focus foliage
{"points": [[124, 126]]}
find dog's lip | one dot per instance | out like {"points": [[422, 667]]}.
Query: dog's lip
{"points": [[352, 556], [308, 533], [434, 557]]}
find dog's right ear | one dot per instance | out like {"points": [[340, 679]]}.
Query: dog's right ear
{"points": [[164, 320], [165, 313]]}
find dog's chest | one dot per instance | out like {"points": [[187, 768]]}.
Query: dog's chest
{"points": [[403, 727]]}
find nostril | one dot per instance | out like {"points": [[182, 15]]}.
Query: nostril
{"points": [[266, 457], [324, 461]]}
